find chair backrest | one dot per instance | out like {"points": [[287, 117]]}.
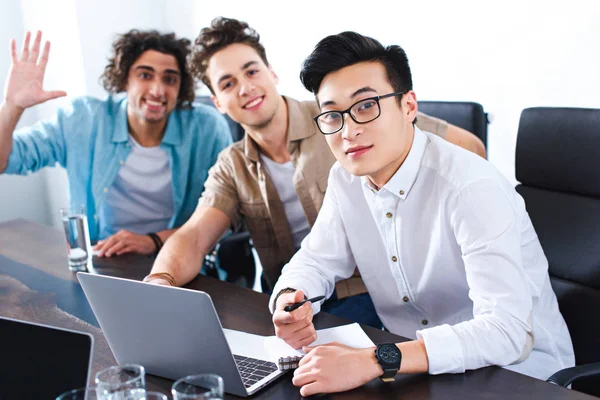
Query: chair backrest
{"points": [[467, 115], [237, 132], [557, 165]]}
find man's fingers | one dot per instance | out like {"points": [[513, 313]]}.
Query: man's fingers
{"points": [[44, 58], [52, 95], [107, 244], [298, 296], [13, 51], [25, 50], [124, 250], [115, 248], [35, 49], [304, 337], [303, 377], [312, 388]]}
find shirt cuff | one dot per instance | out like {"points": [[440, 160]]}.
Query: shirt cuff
{"points": [[444, 350]]}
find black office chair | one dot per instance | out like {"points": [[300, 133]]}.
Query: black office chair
{"points": [[233, 253], [467, 115], [557, 165], [237, 132]]}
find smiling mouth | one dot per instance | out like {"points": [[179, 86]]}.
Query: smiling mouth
{"points": [[155, 104], [358, 150], [253, 103]]}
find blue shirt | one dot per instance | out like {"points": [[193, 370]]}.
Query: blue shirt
{"points": [[90, 139]]}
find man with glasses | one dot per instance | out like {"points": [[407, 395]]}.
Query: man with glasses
{"points": [[274, 179], [441, 239]]}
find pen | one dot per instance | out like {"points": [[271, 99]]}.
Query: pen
{"points": [[292, 307]]}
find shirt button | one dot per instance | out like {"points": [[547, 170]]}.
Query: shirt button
{"points": [[389, 215], [121, 162], [405, 298], [105, 190], [424, 322], [394, 258], [401, 192]]}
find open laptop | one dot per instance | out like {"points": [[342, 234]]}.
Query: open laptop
{"points": [[174, 332], [41, 361]]}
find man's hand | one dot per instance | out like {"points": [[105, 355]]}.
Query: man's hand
{"points": [[25, 83], [125, 242], [296, 327], [335, 367]]}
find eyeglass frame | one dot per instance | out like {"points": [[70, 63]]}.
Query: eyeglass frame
{"points": [[347, 111]]}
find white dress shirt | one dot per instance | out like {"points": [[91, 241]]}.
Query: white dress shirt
{"points": [[448, 254]]}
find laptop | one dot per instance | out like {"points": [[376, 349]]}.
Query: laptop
{"points": [[174, 332], [40, 361]]}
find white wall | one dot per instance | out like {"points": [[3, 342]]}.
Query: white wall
{"points": [[505, 55]]}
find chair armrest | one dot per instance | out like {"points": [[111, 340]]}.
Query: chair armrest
{"points": [[566, 376]]}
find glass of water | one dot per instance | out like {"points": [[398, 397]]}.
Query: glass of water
{"points": [[79, 249], [125, 382], [91, 393], [88, 393], [198, 387]]}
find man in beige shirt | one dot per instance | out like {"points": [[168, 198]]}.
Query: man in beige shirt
{"points": [[275, 178]]}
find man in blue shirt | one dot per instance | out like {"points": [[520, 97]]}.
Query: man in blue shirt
{"points": [[138, 161]]}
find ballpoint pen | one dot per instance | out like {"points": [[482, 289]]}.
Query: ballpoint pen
{"points": [[292, 307]]}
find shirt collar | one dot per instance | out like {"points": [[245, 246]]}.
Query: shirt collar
{"points": [[173, 135], [402, 181], [300, 126]]}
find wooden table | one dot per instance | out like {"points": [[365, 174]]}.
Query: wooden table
{"points": [[36, 285]]}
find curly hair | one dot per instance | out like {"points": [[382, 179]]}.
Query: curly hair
{"points": [[128, 47], [221, 33]]}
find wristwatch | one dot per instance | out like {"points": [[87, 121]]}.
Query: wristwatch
{"points": [[388, 355]]}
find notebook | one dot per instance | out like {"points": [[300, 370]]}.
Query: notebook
{"points": [[287, 357]]}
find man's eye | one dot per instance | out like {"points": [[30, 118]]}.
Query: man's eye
{"points": [[170, 80], [145, 75], [367, 105], [333, 116], [253, 72], [227, 85]]}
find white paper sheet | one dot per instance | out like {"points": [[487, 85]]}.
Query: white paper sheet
{"points": [[351, 335]]}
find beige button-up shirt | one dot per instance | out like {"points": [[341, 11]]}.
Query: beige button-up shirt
{"points": [[239, 186]]}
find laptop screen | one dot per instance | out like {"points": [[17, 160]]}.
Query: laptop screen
{"points": [[41, 362]]}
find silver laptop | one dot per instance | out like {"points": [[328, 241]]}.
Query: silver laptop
{"points": [[174, 332]]}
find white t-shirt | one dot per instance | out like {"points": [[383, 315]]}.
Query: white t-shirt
{"points": [[282, 177], [140, 199]]}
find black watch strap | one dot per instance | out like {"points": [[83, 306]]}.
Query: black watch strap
{"points": [[389, 357]]}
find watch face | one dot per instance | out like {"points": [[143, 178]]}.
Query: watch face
{"points": [[389, 354]]}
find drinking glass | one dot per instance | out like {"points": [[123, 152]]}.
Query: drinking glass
{"points": [[79, 249], [198, 387], [125, 382], [91, 393]]}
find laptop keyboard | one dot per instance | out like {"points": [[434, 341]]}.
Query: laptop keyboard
{"points": [[253, 370]]}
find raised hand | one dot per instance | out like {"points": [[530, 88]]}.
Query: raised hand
{"points": [[25, 83]]}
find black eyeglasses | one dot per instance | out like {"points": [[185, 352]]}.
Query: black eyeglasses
{"points": [[363, 111]]}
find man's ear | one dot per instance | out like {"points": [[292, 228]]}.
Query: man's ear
{"points": [[275, 77], [215, 101], [411, 107]]}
